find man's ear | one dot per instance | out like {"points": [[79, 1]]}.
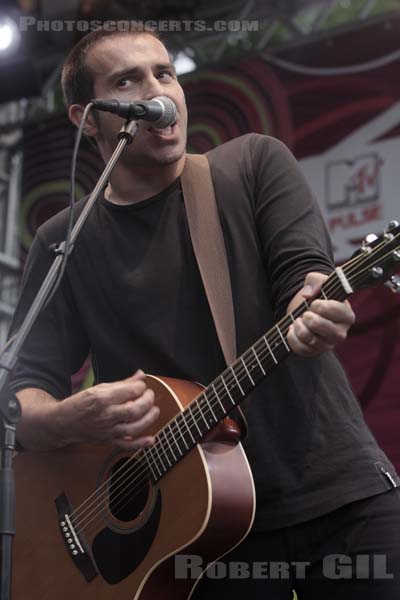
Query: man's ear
{"points": [[75, 113]]}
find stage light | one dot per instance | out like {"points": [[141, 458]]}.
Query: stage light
{"points": [[10, 36], [184, 63]]}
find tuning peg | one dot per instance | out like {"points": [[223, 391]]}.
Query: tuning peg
{"points": [[365, 247], [396, 255], [371, 237], [394, 284], [376, 272], [388, 235]]}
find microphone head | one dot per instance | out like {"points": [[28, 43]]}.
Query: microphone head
{"points": [[169, 113]]}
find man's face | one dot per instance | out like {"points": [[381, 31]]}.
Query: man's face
{"points": [[131, 68]]}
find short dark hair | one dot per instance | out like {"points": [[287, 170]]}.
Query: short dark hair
{"points": [[76, 78]]}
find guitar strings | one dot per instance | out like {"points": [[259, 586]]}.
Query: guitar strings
{"points": [[142, 469], [193, 415], [355, 259], [217, 405], [145, 469], [124, 467]]}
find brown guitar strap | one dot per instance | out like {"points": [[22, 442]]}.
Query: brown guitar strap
{"points": [[209, 248]]}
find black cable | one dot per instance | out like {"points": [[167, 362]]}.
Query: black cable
{"points": [[64, 247]]}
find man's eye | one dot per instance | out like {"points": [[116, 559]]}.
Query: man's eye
{"points": [[165, 75], [122, 82]]}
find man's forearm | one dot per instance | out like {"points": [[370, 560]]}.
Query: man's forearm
{"points": [[120, 412], [39, 427]]}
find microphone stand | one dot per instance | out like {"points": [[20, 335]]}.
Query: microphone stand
{"points": [[10, 410]]}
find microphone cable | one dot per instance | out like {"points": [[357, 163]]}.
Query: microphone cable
{"points": [[65, 247]]}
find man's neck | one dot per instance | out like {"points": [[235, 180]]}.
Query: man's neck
{"points": [[128, 187]]}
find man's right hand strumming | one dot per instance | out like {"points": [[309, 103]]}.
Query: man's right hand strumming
{"points": [[117, 413]]}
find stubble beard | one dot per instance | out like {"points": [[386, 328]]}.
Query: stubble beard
{"points": [[156, 158]]}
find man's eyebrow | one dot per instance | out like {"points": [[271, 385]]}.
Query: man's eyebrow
{"points": [[138, 71], [123, 72], [162, 66]]}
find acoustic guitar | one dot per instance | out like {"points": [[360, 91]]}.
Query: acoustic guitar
{"points": [[97, 523]]}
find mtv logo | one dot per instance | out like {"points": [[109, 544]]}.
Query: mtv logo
{"points": [[352, 182]]}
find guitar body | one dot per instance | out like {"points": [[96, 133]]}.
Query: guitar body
{"points": [[203, 506]]}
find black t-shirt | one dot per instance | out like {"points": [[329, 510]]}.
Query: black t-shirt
{"points": [[133, 298]]}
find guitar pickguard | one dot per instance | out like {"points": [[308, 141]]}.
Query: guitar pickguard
{"points": [[117, 554]]}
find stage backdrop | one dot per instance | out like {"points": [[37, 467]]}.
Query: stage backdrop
{"points": [[335, 103]]}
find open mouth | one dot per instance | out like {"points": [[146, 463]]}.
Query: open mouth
{"points": [[165, 132]]}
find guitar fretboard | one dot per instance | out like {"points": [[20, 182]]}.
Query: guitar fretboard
{"points": [[226, 392]]}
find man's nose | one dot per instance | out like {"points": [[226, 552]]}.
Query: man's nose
{"points": [[153, 88]]}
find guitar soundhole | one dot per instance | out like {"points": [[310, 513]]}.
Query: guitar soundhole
{"points": [[128, 491]]}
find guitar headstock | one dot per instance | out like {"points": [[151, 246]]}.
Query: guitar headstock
{"points": [[377, 258]]}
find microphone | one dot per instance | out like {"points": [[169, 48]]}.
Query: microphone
{"points": [[160, 110]]}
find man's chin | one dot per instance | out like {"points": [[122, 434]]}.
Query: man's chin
{"points": [[163, 156], [169, 159]]}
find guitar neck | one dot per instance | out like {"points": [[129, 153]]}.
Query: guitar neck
{"points": [[226, 392]]}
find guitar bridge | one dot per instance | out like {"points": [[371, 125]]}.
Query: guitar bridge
{"points": [[74, 545]]}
